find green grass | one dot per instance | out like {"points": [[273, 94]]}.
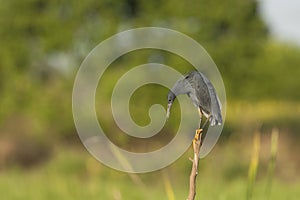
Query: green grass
{"points": [[74, 174]]}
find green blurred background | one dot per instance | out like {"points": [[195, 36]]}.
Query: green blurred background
{"points": [[43, 44]]}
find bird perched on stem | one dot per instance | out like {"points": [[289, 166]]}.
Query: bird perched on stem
{"points": [[202, 94]]}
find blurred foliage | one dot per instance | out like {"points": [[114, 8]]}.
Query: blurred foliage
{"points": [[74, 174], [44, 42]]}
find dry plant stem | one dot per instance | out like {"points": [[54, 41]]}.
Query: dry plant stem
{"points": [[196, 147]]}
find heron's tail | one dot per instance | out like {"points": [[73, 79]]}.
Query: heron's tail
{"points": [[216, 115], [214, 121]]}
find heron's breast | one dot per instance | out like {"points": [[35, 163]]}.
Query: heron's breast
{"points": [[194, 99]]}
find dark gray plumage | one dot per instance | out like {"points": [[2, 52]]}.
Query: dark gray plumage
{"points": [[202, 93]]}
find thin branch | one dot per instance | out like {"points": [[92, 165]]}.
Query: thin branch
{"points": [[196, 147]]}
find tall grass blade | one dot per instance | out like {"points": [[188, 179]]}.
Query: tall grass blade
{"points": [[272, 161], [168, 187], [253, 165]]}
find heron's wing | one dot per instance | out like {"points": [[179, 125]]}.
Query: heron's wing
{"points": [[200, 92], [215, 102], [206, 96]]}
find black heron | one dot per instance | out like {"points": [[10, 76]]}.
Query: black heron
{"points": [[203, 96]]}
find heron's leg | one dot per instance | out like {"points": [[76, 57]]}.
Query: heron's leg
{"points": [[200, 115], [205, 127], [207, 120]]}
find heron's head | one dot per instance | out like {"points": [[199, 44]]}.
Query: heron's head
{"points": [[171, 98]]}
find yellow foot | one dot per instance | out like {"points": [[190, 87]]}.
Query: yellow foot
{"points": [[198, 134]]}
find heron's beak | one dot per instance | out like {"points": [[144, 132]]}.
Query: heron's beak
{"points": [[168, 110]]}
